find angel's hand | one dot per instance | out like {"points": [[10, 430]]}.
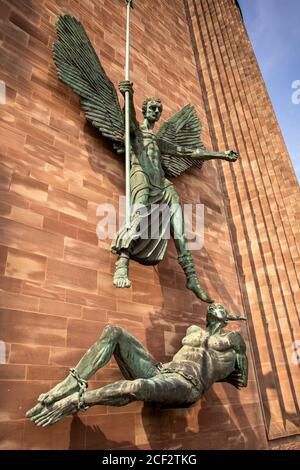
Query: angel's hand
{"points": [[126, 86], [231, 156]]}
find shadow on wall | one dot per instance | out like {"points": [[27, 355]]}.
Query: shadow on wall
{"points": [[286, 420], [102, 157], [94, 437], [199, 427], [276, 385]]}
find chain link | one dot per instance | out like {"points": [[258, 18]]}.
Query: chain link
{"points": [[83, 385]]}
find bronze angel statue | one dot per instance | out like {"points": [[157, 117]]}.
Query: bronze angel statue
{"points": [[174, 149]]}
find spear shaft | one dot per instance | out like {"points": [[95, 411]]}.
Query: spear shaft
{"points": [[127, 116]]}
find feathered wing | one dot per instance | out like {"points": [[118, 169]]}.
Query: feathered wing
{"points": [[182, 129], [78, 66]]}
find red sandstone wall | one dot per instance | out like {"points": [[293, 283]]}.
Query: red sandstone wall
{"points": [[56, 277], [263, 203]]}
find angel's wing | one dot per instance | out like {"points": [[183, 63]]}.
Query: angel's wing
{"points": [[182, 129], [78, 67]]}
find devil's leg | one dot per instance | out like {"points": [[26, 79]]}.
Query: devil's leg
{"points": [[133, 359], [168, 389]]}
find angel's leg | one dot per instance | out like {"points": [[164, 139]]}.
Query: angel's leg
{"points": [[133, 359], [184, 255], [121, 275], [126, 238]]}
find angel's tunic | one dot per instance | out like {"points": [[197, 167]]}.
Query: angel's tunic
{"points": [[154, 201]]}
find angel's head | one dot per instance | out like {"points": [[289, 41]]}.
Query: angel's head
{"points": [[152, 109]]}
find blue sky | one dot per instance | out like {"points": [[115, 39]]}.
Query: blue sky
{"points": [[274, 29]]}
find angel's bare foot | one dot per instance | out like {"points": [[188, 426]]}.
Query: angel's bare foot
{"points": [[122, 282], [68, 386], [121, 279], [194, 285], [47, 415]]}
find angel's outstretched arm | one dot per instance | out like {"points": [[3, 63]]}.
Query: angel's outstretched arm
{"points": [[228, 156], [204, 155], [126, 86]]}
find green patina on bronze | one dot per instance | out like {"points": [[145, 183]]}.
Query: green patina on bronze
{"points": [[176, 148], [206, 356]]}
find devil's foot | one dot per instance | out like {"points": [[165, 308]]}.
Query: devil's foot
{"points": [[47, 415], [35, 410], [193, 285], [61, 390]]}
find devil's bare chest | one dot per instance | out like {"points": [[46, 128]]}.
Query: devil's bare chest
{"points": [[201, 339]]}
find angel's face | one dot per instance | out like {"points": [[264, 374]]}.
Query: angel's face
{"points": [[153, 111]]}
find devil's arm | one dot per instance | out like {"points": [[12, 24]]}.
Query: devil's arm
{"points": [[239, 377], [242, 367]]}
